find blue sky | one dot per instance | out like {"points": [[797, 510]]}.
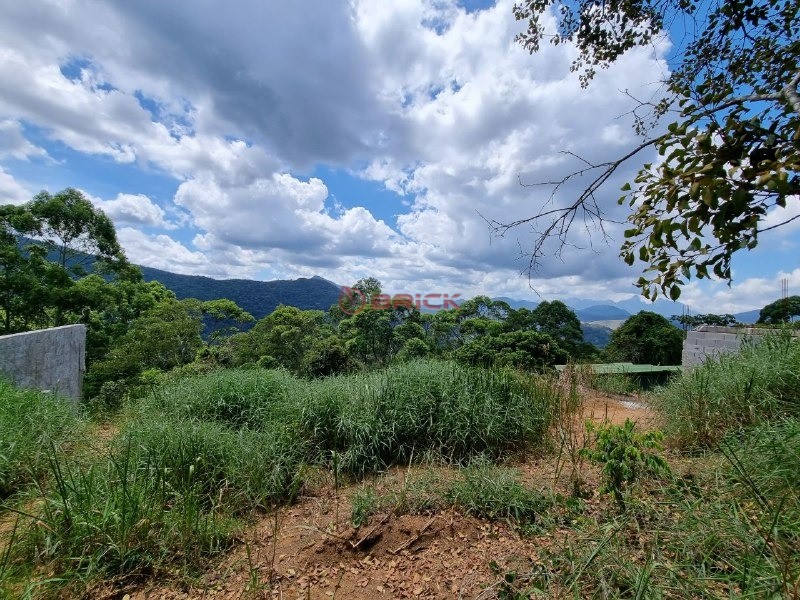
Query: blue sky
{"points": [[337, 138]]}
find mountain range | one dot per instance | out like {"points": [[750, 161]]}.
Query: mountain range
{"points": [[260, 298]]}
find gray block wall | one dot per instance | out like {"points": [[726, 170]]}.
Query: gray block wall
{"points": [[709, 341], [48, 359]]}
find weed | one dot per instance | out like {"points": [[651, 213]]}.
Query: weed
{"points": [[364, 504]]}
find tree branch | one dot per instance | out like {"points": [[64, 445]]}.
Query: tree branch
{"points": [[790, 92]]}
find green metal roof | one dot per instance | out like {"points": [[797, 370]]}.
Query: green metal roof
{"points": [[624, 367]]}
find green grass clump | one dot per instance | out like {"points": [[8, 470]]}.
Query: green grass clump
{"points": [[238, 470], [125, 515], [253, 398], [31, 424], [732, 392], [491, 492], [166, 496]]}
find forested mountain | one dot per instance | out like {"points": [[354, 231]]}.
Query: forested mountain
{"points": [[259, 298]]}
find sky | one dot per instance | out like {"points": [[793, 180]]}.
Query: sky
{"points": [[345, 139]]}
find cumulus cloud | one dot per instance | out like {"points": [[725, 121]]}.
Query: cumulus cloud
{"points": [[238, 105], [11, 191], [749, 293], [163, 252], [134, 209], [14, 144]]}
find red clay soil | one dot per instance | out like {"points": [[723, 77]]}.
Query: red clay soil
{"points": [[315, 555]]}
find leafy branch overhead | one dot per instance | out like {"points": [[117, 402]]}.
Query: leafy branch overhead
{"points": [[726, 127]]}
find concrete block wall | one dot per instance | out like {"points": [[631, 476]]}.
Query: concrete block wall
{"points": [[709, 341], [47, 359]]}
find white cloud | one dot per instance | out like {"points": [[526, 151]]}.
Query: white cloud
{"points": [[747, 294], [11, 191], [134, 209], [163, 252], [14, 144]]}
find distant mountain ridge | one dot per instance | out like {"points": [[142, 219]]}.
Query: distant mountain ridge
{"points": [[259, 298]]}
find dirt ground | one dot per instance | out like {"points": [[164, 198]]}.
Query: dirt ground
{"points": [[310, 551]]}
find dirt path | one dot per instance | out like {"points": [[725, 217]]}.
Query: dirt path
{"points": [[600, 406], [311, 551]]}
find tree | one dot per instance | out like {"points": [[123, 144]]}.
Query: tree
{"points": [[76, 231], [166, 337], [528, 350], [646, 338], [327, 356], [45, 245], [286, 335], [224, 316], [558, 321], [731, 152], [726, 320], [369, 335], [780, 311]]}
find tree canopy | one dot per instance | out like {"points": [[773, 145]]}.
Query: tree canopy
{"points": [[687, 321], [780, 311], [725, 123], [647, 338]]}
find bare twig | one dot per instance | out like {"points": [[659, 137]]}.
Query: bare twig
{"points": [[413, 539]]}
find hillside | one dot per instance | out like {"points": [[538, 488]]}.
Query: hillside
{"points": [[259, 298]]}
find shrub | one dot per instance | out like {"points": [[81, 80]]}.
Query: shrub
{"points": [[626, 456]]}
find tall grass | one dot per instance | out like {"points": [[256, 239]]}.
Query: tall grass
{"points": [[733, 392], [253, 398], [452, 412], [167, 493], [198, 453], [375, 420], [127, 515], [31, 422]]}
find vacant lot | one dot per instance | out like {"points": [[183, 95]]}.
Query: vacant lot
{"points": [[426, 480]]}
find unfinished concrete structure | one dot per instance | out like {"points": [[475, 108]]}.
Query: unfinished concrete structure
{"points": [[710, 340], [48, 359]]}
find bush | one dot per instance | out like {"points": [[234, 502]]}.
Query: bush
{"points": [[732, 392], [32, 424], [626, 456]]}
